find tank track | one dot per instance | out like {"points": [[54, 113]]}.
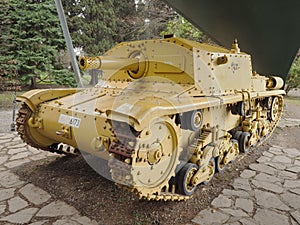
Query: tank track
{"points": [[22, 118], [121, 174], [121, 171]]}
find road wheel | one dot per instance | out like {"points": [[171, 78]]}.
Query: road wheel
{"points": [[244, 142], [184, 179]]}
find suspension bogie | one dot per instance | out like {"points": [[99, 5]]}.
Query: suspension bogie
{"points": [[223, 149]]}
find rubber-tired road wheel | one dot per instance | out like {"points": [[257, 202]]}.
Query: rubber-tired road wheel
{"points": [[244, 144], [184, 179], [237, 134], [238, 109], [219, 163]]}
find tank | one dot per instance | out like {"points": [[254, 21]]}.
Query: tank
{"points": [[166, 116]]}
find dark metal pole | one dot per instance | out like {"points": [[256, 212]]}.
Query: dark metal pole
{"points": [[12, 125], [68, 39]]}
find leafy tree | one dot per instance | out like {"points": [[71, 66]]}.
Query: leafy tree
{"points": [[36, 40], [5, 39], [92, 24], [180, 27], [293, 80], [144, 20], [98, 25], [129, 20], [7, 62], [159, 15]]}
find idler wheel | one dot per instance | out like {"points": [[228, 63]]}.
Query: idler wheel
{"points": [[244, 142], [184, 180], [274, 111]]}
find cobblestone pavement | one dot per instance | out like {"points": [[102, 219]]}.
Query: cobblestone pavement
{"points": [[25, 203], [268, 193]]}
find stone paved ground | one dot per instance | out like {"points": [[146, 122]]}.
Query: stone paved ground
{"points": [[268, 193], [25, 203]]}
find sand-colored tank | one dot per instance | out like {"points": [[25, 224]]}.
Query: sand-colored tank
{"points": [[166, 116]]}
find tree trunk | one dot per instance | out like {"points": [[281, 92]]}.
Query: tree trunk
{"points": [[33, 82]]}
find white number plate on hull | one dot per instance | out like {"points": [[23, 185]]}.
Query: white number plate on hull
{"points": [[69, 120]]}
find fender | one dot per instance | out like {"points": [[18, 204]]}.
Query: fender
{"points": [[34, 97]]}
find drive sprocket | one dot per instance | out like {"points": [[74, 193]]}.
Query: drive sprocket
{"points": [[153, 160]]}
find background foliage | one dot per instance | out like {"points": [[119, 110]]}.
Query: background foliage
{"points": [[33, 43], [33, 49], [180, 27], [293, 80], [97, 25]]}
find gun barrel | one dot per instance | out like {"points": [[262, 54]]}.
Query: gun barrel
{"points": [[108, 63]]}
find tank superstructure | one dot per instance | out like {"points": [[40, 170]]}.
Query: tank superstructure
{"points": [[166, 116]]}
